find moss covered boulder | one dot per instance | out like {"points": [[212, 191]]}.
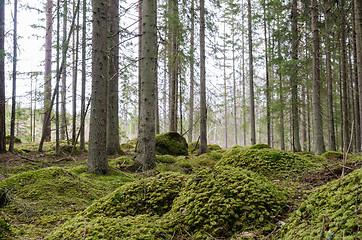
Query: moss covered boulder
{"points": [[272, 163], [171, 143], [260, 146], [333, 155], [16, 139], [5, 232], [130, 212], [224, 201], [332, 207]]}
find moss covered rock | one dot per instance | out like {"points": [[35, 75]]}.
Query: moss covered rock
{"points": [[5, 232], [333, 155], [171, 143], [128, 212], [331, 207], [260, 146], [166, 158], [223, 201], [271, 163], [16, 139], [3, 197]]}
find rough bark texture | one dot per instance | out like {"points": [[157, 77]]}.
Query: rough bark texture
{"points": [[203, 109], [225, 91], [75, 76], [113, 146], [82, 104], [251, 79], [63, 110], [146, 153], [48, 70], [2, 77], [319, 146], [97, 158], [346, 123], [13, 98], [358, 17], [267, 84], [281, 97], [331, 132], [294, 79], [192, 63]]}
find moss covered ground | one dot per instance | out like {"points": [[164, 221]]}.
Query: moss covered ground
{"points": [[235, 193]]}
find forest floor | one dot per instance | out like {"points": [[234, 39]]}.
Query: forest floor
{"points": [[33, 214]]}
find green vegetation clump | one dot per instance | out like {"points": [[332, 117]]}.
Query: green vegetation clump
{"points": [[5, 232], [166, 158], [206, 160], [3, 197], [272, 163], [223, 201], [120, 162], [16, 139], [129, 146], [233, 150], [333, 155], [213, 147], [171, 143], [260, 146], [194, 147], [135, 205], [331, 207]]}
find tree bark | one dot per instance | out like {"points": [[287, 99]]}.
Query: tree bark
{"points": [[319, 146], [57, 130], [48, 70], [225, 90], [113, 145], [146, 133], [294, 79], [251, 79], [13, 98], [63, 110], [84, 49], [97, 157], [358, 19], [192, 63], [203, 109], [75, 76], [2, 77], [267, 84]]}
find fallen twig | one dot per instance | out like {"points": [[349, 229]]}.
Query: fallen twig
{"points": [[326, 167]]}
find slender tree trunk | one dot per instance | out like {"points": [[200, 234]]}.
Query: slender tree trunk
{"points": [[48, 69], [75, 76], [203, 109], [251, 79], [319, 146], [281, 97], [57, 132], [358, 19], [243, 70], [267, 85], [294, 79], [234, 85], [225, 90], [113, 146], [146, 133], [97, 157], [13, 98], [2, 77], [84, 49], [63, 114], [192, 63]]}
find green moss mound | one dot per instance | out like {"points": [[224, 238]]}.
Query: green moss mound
{"points": [[5, 232], [48, 191], [135, 205], [223, 201], [233, 150], [271, 163], [213, 147], [166, 158], [333, 155], [16, 139], [260, 146], [3, 197], [206, 160], [333, 205], [171, 143]]}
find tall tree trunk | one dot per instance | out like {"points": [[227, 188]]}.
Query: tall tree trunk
{"points": [[243, 71], [225, 90], [75, 76], [146, 133], [57, 132], [294, 79], [319, 146], [355, 77], [267, 84], [13, 98], [2, 77], [358, 19], [173, 62], [84, 49], [234, 86], [344, 77], [251, 79], [63, 110], [203, 109], [192, 63], [331, 132], [97, 157], [48, 70], [113, 146], [281, 97]]}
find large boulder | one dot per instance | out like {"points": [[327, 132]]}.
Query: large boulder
{"points": [[171, 143]]}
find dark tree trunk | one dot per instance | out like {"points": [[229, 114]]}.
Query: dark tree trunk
{"points": [[63, 110], [97, 157], [192, 46], [251, 78], [2, 77], [84, 49]]}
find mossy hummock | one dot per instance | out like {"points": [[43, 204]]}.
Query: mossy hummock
{"points": [[171, 143]]}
